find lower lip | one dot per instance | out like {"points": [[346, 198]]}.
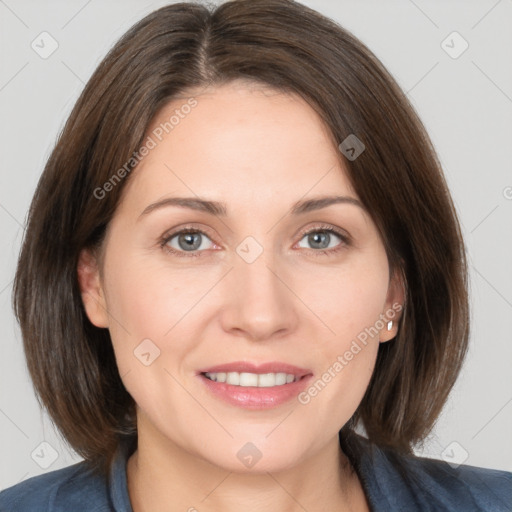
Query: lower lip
{"points": [[251, 397]]}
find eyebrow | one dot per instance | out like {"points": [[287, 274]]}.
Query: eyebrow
{"points": [[220, 209]]}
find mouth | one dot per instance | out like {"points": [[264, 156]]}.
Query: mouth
{"points": [[254, 386]]}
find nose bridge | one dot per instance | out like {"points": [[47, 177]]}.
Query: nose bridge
{"points": [[260, 305]]}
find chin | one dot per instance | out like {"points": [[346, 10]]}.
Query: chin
{"points": [[255, 454]]}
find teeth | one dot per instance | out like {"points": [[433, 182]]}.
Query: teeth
{"points": [[248, 379], [233, 378], [267, 380], [260, 380]]}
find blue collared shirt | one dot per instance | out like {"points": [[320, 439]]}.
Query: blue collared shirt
{"points": [[392, 483]]}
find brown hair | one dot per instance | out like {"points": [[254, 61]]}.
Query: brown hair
{"points": [[398, 178]]}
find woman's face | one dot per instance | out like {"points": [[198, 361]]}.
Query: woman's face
{"points": [[246, 284]]}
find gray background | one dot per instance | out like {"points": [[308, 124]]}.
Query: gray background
{"points": [[465, 103]]}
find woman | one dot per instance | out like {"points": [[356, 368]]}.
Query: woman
{"points": [[241, 253]]}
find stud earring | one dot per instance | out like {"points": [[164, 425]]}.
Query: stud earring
{"points": [[390, 325]]}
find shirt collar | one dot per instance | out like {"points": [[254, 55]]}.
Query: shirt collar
{"points": [[118, 482]]}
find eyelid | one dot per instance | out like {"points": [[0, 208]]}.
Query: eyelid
{"points": [[195, 227], [325, 227]]}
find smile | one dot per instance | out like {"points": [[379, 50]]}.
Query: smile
{"points": [[254, 391]]}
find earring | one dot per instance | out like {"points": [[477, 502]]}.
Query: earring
{"points": [[390, 325]]}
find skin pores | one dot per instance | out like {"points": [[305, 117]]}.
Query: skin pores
{"points": [[259, 152]]}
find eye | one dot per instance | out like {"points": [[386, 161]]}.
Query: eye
{"points": [[324, 240], [192, 241], [187, 241]]}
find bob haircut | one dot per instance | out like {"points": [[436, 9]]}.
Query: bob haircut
{"points": [[293, 49]]}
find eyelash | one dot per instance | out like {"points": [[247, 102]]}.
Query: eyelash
{"points": [[345, 241]]}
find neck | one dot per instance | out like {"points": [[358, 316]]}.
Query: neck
{"points": [[164, 477]]}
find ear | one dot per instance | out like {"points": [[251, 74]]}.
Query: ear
{"points": [[91, 289], [393, 308]]}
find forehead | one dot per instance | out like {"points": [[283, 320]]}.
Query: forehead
{"points": [[242, 143]]}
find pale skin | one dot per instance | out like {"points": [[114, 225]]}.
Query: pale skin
{"points": [[258, 151]]}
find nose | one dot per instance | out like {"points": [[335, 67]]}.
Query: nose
{"points": [[259, 304]]}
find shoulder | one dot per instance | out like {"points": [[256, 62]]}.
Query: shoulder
{"points": [[397, 481], [477, 488], [75, 488], [451, 488]]}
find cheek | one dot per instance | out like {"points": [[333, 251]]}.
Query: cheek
{"points": [[346, 299], [149, 298], [350, 303]]}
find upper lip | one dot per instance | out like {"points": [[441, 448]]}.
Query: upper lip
{"points": [[245, 366]]}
